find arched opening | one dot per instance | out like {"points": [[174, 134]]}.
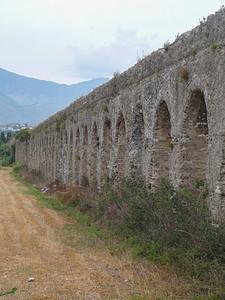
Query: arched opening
{"points": [[46, 156], [64, 157], [61, 159], [43, 158], [120, 166], [50, 158], [84, 177], [39, 153], [106, 148], [55, 157], [94, 152], [162, 146], [77, 158], [195, 139], [137, 140], [70, 158]]}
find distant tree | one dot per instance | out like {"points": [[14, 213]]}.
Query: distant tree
{"points": [[9, 136], [23, 135], [3, 138]]}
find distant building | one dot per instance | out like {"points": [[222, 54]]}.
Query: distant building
{"points": [[14, 127]]}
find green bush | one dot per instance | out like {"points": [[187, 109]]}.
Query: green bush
{"points": [[7, 151], [23, 135], [167, 226], [17, 167], [7, 161]]}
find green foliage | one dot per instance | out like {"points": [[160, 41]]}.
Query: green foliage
{"points": [[199, 183], [7, 150], [92, 95], [91, 106], [105, 108], [214, 46], [166, 45], [169, 227], [45, 129], [7, 161], [60, 121], [62, 126], [183, 74], [72, 120], [23, 135], [13, 291], [17, 167], [170, 145], [3, 138]]}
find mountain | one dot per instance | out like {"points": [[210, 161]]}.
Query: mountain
{"points": [[28, 100]]}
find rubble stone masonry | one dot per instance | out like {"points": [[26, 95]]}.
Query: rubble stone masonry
{"points": [[163, 117]]}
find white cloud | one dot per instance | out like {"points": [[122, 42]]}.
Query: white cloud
{"points": [[69, 40], [101, 61]]}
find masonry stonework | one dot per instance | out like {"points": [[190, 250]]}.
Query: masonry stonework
{"points": [[164, 117]]}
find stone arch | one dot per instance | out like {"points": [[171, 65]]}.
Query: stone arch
{"points": [[195, 130], [64, 156], [70, 158], [84, 177], [106, 148], [39, 152], [61, 156], [50, 158], [121, 144], [94, 151], [46, 160], [137, 140], [55, 157], [42, 156], [77, 158], [162, 146]]}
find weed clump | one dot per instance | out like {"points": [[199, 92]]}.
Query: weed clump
{"points": [[17, 167], [183, 74]]}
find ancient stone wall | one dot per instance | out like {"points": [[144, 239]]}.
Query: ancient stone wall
{"points": [[164, 117]]}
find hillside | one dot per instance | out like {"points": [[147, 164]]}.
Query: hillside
{"points": [[24, 99]]}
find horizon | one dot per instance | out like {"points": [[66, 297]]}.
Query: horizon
{"points": [[85, 80]]}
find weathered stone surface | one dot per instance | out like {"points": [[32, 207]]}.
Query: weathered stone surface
{"points": [[164, 117]]}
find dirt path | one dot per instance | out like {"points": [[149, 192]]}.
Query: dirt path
{"points": [[32, 245]]}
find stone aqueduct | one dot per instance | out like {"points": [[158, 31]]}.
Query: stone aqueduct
{"points": [[164, 117]]}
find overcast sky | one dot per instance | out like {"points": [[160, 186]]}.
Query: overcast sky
{"points": [[68, 41]]}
